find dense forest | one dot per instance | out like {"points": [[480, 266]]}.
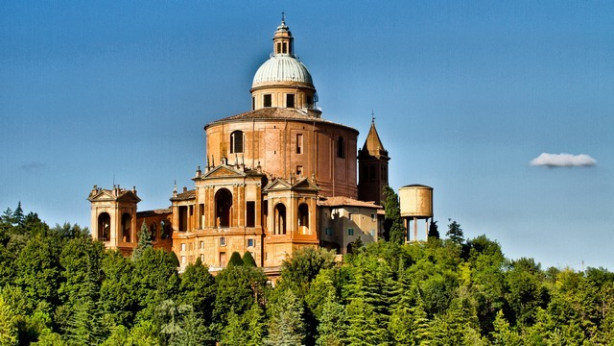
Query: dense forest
{"points": [[58, 287]]}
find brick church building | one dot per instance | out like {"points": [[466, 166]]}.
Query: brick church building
{"points": [[277, 178]]}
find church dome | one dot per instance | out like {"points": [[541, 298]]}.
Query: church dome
{"points": [[282, 68]]}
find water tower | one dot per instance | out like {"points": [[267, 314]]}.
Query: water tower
{"points": [[416, 204]]}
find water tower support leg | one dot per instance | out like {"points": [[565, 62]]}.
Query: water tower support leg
{"points": [[415, 229]]}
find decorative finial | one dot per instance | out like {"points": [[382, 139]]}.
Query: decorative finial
{"points": [[283, 18], [372, 117]]}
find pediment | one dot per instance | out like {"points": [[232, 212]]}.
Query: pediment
{"points": [[282, 184], [278, 185], [305, 184], [223, 171], [111, 195]]}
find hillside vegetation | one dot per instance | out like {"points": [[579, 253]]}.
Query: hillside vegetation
{"points": [[58, 287]]}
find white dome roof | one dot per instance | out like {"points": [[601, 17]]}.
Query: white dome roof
{"points": [[282, 68]]}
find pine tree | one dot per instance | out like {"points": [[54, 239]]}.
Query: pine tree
{"points": [[255, 325], [144, 241], [18, 217], [84, 327], [192, 330], [393, 224], [503, 335], [286, 326], [234, 332], [455, 232], [363, 327], [331, 327]]}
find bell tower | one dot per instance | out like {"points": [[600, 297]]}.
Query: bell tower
{"points": [[372, 167], [113, 217]]}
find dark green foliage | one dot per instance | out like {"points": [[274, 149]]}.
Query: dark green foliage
{"points": [[155, 279], [197, 288], [118, 300], [305, 264], [38, 269], [144, 241], [248, 260], [237, 289], [393, 224], [286, 325], [235, 260], [57, 287], [331, 328], [455, 232], [356, 245], [434, 230]]}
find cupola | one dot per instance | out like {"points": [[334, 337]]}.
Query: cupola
{"points": [[283, 81]]}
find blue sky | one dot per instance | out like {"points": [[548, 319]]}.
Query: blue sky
{"points": [[465, 94]]}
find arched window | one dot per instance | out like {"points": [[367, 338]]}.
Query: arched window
{"points": [[280, 219], [303, 218], [223, 202], [153, 231], [164, 229], [104, 227], [236, 142], [126, 228], [340, 147]]}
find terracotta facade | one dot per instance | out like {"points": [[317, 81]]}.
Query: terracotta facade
{"points": [[277, 178]]}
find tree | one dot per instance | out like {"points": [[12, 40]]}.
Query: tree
{"points": [[299, 270], [248, 259], [197, 288], [234, 332], [502, 334], [255, 325], [39, 269], [193, 331], [155, 278], [331, 327], [434, 230], [235, 260], [455, 232], [363, 327], [18, 217], [237, 288], [356, 245], [117, 292], [393, 224], [8, 324], [144, 241], [286, 326]]}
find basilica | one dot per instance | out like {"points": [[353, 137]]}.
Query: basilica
{"points": [[277, 178]]}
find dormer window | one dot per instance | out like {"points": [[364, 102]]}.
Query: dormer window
{"points": [[266, 101], [236, 142]]}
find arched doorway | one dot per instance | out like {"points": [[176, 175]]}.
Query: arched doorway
{"points": [[223, 203], [126, 227], [303, 218], [280, 219], [104, 227]]}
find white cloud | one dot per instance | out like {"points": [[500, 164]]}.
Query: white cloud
{"points": [[563, 160]]}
